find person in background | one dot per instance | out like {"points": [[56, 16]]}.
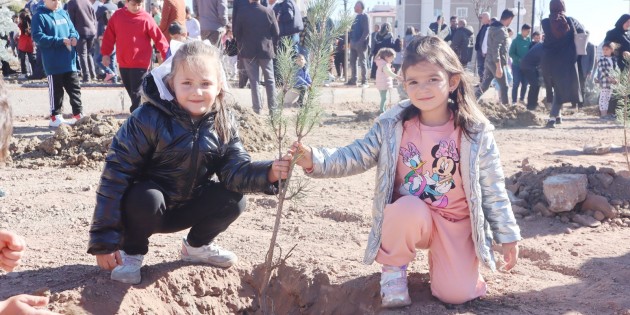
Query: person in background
{"points": [[606, 64], [213, 17], [370, 61], [530, 68], [559, 61], [359, 38], [497, 57], [82, 15], [303, 79], [57, 42], [384, 39], [172, 11], [192, 25], [130, 31], [178, 34], [462, 42], [231, 53], [454, 24], [340, 57], [25, 43], [519, 47], [439, 28], [156, 12], [536, 38], [481, 47], [587, 65]]}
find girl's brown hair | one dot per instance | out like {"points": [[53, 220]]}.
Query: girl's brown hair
{"points": [[385, 52], [6, 124], [461, 101], [196, 54]]}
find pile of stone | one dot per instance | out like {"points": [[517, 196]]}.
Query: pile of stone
{"points": [[586, 196]]}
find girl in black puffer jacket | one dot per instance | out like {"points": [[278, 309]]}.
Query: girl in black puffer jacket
{"points": [[157, 173]]}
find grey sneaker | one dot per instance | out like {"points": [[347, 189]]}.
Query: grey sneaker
{"points": [[211, 254], [129, 271]]}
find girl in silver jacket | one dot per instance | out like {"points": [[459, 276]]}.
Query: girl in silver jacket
{"points": [[440, 185]]}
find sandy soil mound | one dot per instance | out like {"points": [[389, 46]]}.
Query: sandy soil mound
{"points": [[86, 143], [509, 116]]}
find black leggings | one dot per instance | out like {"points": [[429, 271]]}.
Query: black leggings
{"points": [[145, 213]]}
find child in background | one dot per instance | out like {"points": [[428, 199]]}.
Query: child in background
{"points": [[439, 185], [25, 44], [12, 246], [302, 78], [606, 64], [384, 74], [131, 30], [162, 160], [192, 25], [340, 57], [231, 53], [56, 37], [178, 34]]}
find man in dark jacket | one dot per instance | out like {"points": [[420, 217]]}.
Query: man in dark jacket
{"points": [[359, 35], [497, 56], [83, 17], [480, 50], [289, 19], [530, 67], [438, 26], [462, 42], [256, 37]]}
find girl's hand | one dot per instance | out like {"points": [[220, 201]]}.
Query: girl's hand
{"points": [[11, 249], [510, 254], [304, 155], [109, 261], [499, 73], [25, 304], [280, 169]]}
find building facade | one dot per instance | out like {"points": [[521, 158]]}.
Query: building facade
{"points": [[421, 13]]}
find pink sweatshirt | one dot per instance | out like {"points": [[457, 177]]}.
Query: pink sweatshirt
{"points": [[384, 75]]}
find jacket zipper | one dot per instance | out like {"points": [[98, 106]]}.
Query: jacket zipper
{"points": [[195, 153]]}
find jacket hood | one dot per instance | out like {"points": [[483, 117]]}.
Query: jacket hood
{"points": [[152, 94], [621, 21]]}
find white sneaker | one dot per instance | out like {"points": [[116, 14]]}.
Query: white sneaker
{"points": [[365, 85], [129, 271], [394, 291], [56, 121], [211, 254], [74, 119]]}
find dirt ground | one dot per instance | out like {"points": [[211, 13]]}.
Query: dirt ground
{"points": [[564, 268]]}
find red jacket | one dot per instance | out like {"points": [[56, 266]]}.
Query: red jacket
{"points": [[132, 34]]}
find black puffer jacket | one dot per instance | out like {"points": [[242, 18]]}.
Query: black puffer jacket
{"points": [[159, 142]]}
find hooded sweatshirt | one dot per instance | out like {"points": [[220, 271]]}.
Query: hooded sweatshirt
{"points": [[132, 34], [49, 29]]}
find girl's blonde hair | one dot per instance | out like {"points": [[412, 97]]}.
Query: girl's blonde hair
{"points": [[385, 52], [196, 54], [461, 101]]}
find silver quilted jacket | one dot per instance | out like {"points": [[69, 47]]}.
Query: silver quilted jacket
{"points": [[482, 177]]}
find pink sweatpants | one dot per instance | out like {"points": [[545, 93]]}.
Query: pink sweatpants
{"points": [[453, 265]]}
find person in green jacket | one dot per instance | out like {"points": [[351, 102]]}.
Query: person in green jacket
{"points": [[518, 50]]}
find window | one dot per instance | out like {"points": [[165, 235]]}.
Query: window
{"points": [[437, 12], [378, 20], [461, 12]]}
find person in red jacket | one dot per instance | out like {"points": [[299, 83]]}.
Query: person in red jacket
{"points": [[131, 29]]}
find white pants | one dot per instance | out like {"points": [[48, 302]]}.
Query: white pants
{"points": [[604, 99]]}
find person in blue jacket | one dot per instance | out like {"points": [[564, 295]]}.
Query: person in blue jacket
{"points": [[56, 37]]}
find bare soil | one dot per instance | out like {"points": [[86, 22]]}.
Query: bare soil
{"points": [[564, 268]]}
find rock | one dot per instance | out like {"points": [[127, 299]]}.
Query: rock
{"points": [[597, 149], [586, 220], [523, 194], [564, 191], [599, 216], [564, 219], [513, 188], [598, 203], [530, 218], [2, 193], [520, 210], [616, 202], [525, 165], [575, 225], [604, 179], [607, 170], [568, 231], [101, 130], [624, 213], [624, 173], [542, 209], [515, 201]]}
